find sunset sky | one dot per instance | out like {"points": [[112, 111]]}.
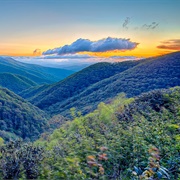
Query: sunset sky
{"points": [[31, 27]]}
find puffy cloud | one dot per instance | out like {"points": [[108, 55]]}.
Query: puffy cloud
{"points": [[172, 44], [101, 45], [37, 52]]}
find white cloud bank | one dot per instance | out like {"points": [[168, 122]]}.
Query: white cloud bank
{"points": [[71, 59]]}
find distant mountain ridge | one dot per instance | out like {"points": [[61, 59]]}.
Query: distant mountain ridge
{"points": [[36, 73], [84, 93], [79, 81], [15, 83], [155, 73]]}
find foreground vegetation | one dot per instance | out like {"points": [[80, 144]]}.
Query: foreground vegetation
{"points": [[110, 143]]}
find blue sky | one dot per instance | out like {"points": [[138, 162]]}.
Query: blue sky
{"points": [[45, 24]]}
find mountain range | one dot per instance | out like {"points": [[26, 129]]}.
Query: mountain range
{"points": [[35, 74], [85, 89], [97, 123]]}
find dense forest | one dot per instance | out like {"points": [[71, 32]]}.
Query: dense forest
{"points": [[103, 81], [19, 118], [78, 82], [130, 138], [15, 83], [35, 73]]}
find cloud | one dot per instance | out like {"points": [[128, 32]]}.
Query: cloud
{"points": [[86, 57], [66, 56], [102, 45], [172, 44], [126, 57], [151, 26], [126, 22], [37, 52], [70, 59]]}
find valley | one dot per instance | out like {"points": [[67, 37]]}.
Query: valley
{"points": [[93, 124], [89, 90]]}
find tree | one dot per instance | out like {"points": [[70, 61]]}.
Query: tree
{"points": [[19, 159]]}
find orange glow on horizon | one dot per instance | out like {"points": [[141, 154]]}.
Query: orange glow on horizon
{"points": [[136, 52], [107, 54], [139, 52]]}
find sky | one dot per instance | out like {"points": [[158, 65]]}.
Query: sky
{"points": [[89, 28]]}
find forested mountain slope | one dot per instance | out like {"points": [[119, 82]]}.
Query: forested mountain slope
{"points": [[36, 73], [76, 83], [15, 83], [35, 90], [149, 74], [19, 118]]}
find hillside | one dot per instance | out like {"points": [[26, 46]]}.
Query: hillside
{"points": [[149, 74], [154, 73], [36, 73], [15, 83], [109, 142], [19, 118], [35, 90], [78, 82]]}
